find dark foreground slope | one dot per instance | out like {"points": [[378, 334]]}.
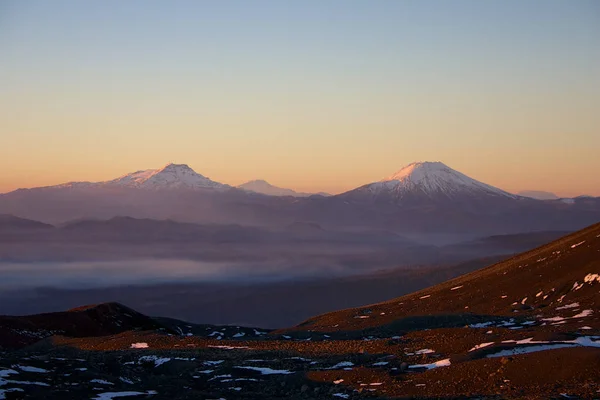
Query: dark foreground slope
{"points": [[525, 328]]}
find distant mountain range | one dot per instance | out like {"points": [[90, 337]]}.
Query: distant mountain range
{"points": [[538, 194], [421, 198], [264, 187]]}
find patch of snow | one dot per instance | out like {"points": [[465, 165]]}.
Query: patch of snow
{"points": [[114, 395], [583, 314], [342, 364], [528, 349], [425, 297], [213, 362], [441, 363], [157, 360], [481, 325], [269, 371], [31, 369], [229, 347], [6, 372], [456, 287], [554, 319], [101, 382], [342, 395], [481, 346], [424, 351], [584, 341], [591, 278], [380, 363], [139, 345], [338, 381], [577, 244]]}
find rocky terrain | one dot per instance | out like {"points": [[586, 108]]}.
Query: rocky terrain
{"points": [[524, 328]]}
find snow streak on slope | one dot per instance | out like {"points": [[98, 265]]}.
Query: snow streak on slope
{"points": [[434, 178]]}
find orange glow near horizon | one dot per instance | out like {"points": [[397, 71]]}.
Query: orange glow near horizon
{"points": [[302, 95]]}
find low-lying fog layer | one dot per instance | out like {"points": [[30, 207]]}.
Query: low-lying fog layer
{"points": [[241, 294], [95, 274]]}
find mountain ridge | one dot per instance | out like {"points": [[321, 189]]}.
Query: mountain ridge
{"points": [[263, 187], [425, 198]]}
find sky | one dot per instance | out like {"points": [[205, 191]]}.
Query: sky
{"points": [[316, 95]]}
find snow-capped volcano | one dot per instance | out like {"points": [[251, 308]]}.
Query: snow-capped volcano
{"points": [[169, 176], [436, 177], [432, 180]]}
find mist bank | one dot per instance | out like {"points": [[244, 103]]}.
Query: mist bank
{"points": [[98, 274], [268, 304]]}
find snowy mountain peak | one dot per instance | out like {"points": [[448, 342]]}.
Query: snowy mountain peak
{"points": [[433, 178], [171, 167], [169, 176], [418, 171]]}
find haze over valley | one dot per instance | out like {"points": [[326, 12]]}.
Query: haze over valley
{"points": [[175, 232]]}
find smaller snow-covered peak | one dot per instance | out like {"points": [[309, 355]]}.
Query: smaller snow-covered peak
{"points": [[263, 187], [538, 195], [258, 182]]}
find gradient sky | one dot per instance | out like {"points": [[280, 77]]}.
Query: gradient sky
{"points": [[320, 95]]}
